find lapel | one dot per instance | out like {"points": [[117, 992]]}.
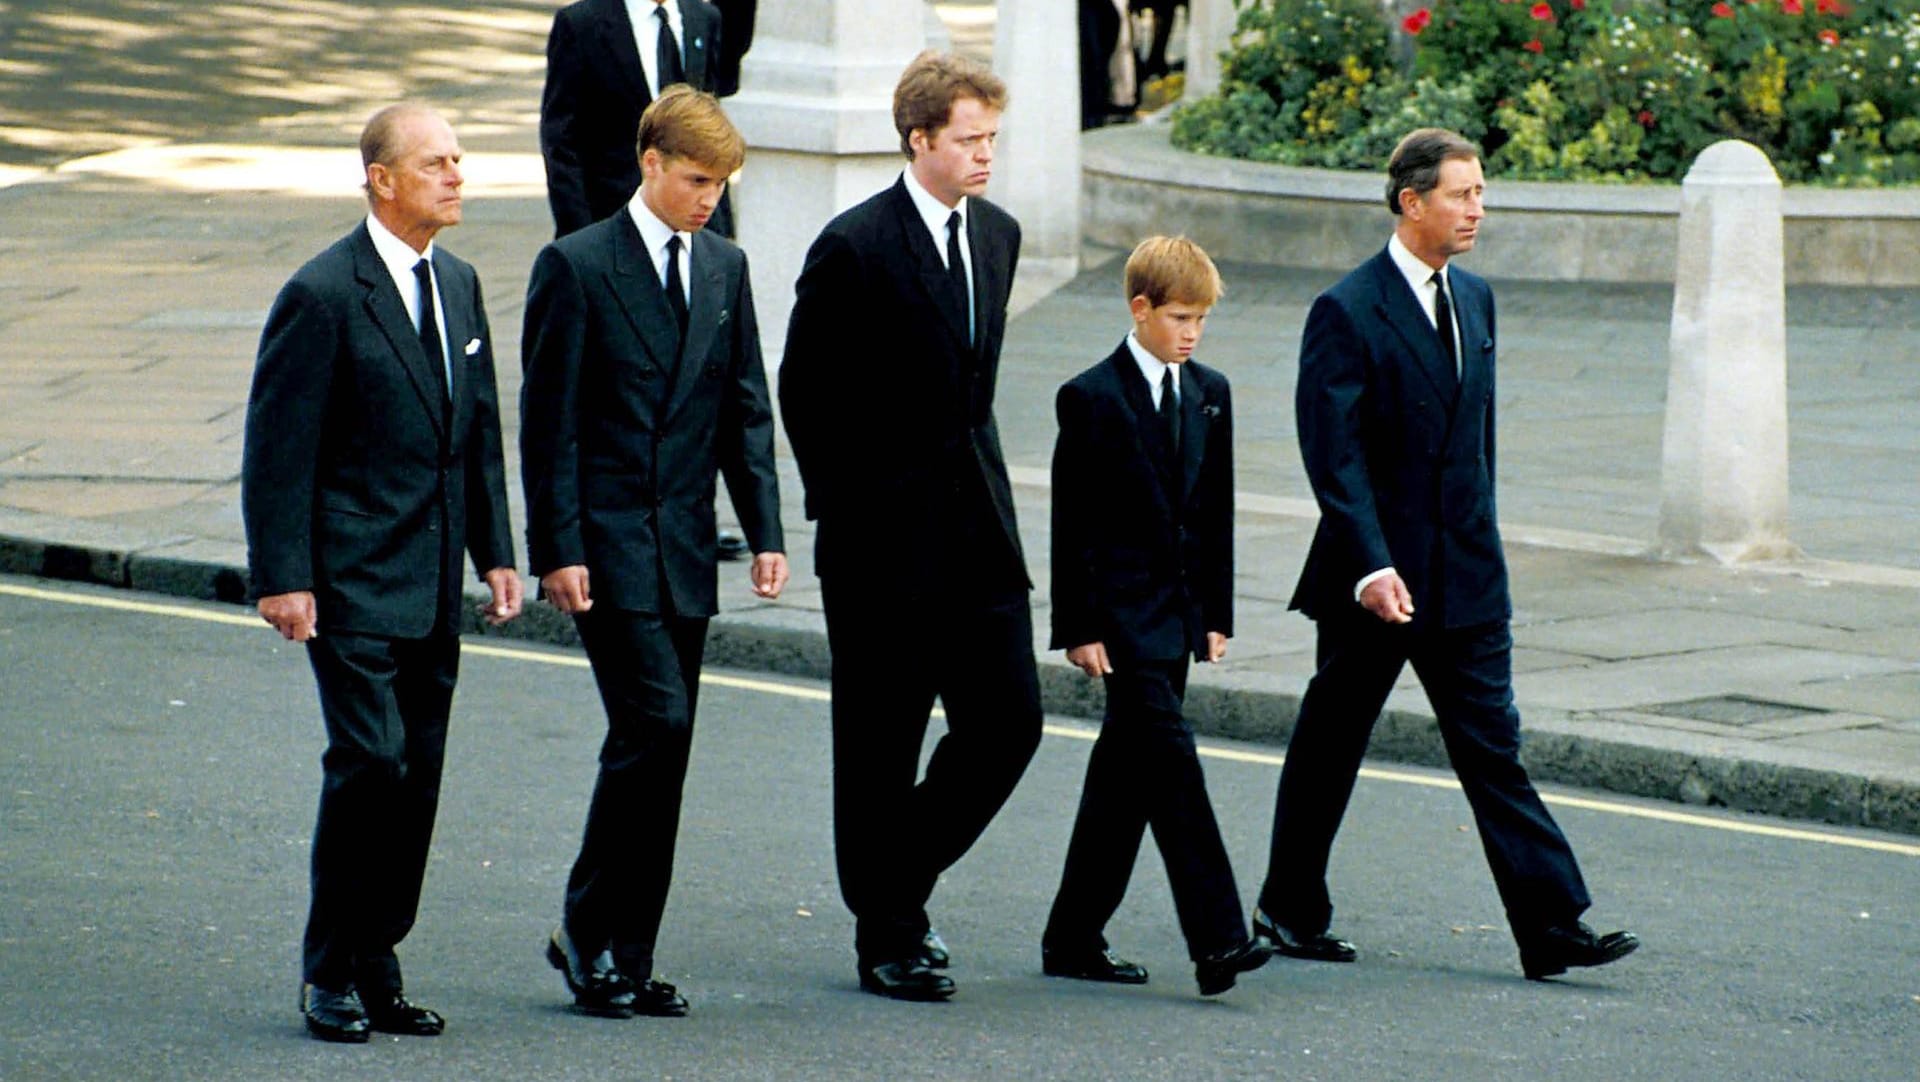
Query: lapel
{"points": [[1400, 309], [986, 281], [696, 40], [1146, 428], [1193, 429], [616, 33], [389, 313], [456, 299], [1475, 362], [931, 265], [706, 313], [636, 285]]}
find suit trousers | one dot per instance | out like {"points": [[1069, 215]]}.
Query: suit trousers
{"points": [[895, 830], [385, 702], [1468, 677], [648, 669], [1144, 772]]}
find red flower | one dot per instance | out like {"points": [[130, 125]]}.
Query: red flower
{"points": [[1542, 13], [1645, 118], [1832, 7], [1829, 36], [1722, 10], [1577, 5], [1534, 46], [1793, 7], [1417, 21]]}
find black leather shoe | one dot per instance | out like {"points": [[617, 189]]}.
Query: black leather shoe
{"points": [[909, 979], [1551, 951], [1100, 965], [731, 545], [934, 950], [598, 988], [394, 1013], [1319, 947], [658, 999], [333, 1016], [1216, 973]]}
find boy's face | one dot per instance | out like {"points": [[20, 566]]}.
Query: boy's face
{"points": [[679, 191], [1170, 331]]}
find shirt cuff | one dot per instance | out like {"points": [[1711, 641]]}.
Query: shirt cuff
{"points": [[1361, 587]]}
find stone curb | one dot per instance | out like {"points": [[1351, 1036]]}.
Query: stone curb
{"points": [[791, 642]]}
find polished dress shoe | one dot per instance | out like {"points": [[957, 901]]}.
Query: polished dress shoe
{"points": [[1217, 972], [598, 988], [1099, 965], [909, 979], [333, 1016], [934, 950], [730, 545], [394, 1013], [1549, 952], [658, 999], [1319, 947]]}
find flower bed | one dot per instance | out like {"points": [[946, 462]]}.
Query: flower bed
{"points": [[1600, 90]]}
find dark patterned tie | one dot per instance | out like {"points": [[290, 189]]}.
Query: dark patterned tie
{"points": [[430, 330], [668, 69], [1443, 321], [1170, 410], [957, 273], [675, 286]]}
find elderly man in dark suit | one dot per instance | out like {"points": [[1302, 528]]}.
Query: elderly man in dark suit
{"points": [[372, 465], [1395, 410], [607, 60], [643, 385], [886, 390]]}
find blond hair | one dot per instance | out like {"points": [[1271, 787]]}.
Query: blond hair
{"points": [[1172, 269], [923, 98], [687, 123]]}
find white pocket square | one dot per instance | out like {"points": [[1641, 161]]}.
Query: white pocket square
{"points": [[473, 347]]}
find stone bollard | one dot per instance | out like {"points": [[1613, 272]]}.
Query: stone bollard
{"points": [[1036, 172], [1209, 33], [1724, 457]]}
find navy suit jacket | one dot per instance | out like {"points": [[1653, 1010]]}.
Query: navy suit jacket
{"points": [[358, 483], [888, 408], [1399, 451], [624, 430], [596, 90], [1142, 538]]}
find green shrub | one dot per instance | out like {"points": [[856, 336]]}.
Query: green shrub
{"points": [[1576, 89]]}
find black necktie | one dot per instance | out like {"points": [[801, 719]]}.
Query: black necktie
{"points": [[668, 70], [1170, 410], [957, 273], [1443, 323], [676, 292], [430, 328]]}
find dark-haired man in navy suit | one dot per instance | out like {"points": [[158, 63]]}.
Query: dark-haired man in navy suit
{"points": [[1394, 407]]}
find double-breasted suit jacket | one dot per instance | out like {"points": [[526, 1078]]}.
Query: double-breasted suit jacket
{"points": [[1142, 537], [624, 429], [1399, 451], [362, 483], [595, 91], [888, 406]]}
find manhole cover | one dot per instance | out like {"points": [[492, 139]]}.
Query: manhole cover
{"points": [[1732, 710]]}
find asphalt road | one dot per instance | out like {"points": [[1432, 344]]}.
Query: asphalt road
{"points": [[159, 766]]}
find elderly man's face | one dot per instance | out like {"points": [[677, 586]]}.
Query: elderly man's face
{"points": [[420, 189]]}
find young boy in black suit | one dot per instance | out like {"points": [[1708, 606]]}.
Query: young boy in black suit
{"points": [[1143, 577]]}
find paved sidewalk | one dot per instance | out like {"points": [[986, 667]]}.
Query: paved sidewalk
{"points": [[130, 308]]}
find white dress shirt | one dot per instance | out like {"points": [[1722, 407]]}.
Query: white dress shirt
{"points": [[399, 258], [1153, 370], [655, 233], [646, 36], [935, 214]]}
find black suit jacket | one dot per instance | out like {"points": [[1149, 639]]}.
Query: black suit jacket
{"points": [[1142, 538], [357, 482], [623, 432], [595, 92], [888, 408], [1399, 451]]}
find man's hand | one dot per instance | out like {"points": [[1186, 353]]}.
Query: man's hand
{"points": [[293, 615], [1216, 646], [1091, 659], [1387, 598], [768, 573], [505, 584], [566, 588]]}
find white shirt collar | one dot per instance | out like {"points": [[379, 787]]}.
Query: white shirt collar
{"points": [[399, 257], [654, 232], [1153, 369], [1416, 271], [646, 36], [935, 213]]}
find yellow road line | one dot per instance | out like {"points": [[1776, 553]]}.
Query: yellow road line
{"points": [[813, 694]]}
